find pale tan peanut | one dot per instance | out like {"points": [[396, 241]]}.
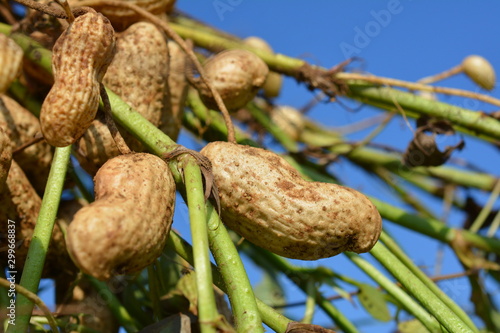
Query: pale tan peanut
{"points": [[11, 56], [171, 121], [274, 81], [479, 70], [21, 204], [21, 126], [266, 201], [122, 18], [80, 58], [126, 228], [139, 75], [289, 119], [237, 75]]}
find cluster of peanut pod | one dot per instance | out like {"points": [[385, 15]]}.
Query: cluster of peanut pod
{"points": [[125, 229]]}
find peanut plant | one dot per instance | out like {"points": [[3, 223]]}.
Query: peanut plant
{"points": [[103, 91]]}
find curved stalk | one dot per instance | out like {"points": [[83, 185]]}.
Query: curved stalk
{"points": [[207, 309], [42, 234], [239, 289]]}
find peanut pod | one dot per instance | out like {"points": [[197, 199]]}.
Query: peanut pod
{"points": [[80, 58], [237, 75], [126, 228], [266, 201]]}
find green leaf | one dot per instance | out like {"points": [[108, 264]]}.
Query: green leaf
{"points": [[373, 301], [412, 326], [270, 291]]}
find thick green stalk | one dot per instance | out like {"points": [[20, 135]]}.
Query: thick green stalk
{"points": [[42, 234], [399, 253], [419, 290], [471, 120], [434, 228], [239, 289], [207, 309], [270, 316], [403, 298]]}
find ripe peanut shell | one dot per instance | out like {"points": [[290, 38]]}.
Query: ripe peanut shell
{"points": [[266, 201], [21, 126], [126, 228], [237, 75], [139, 75], [11, 56], [80, 58]]}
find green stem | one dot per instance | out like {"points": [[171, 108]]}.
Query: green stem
{"points": [[239, 289], [42, 234], [419, 290], [270, 316], [478, 222], [403, 298], [119, 311], [472, 121], [399, 253], [276, 62], [207, 309], [310, 303], [433, 228]]}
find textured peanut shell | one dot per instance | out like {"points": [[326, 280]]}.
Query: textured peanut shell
{"points": [[21, 204], [138, 74], [126, 228], [11, 56], [237, 75], [266, 201], [21, 126], [121, 18], [80, 58], [274, 81]]}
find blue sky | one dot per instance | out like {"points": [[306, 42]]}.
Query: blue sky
{"points": [[402, 39]]}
